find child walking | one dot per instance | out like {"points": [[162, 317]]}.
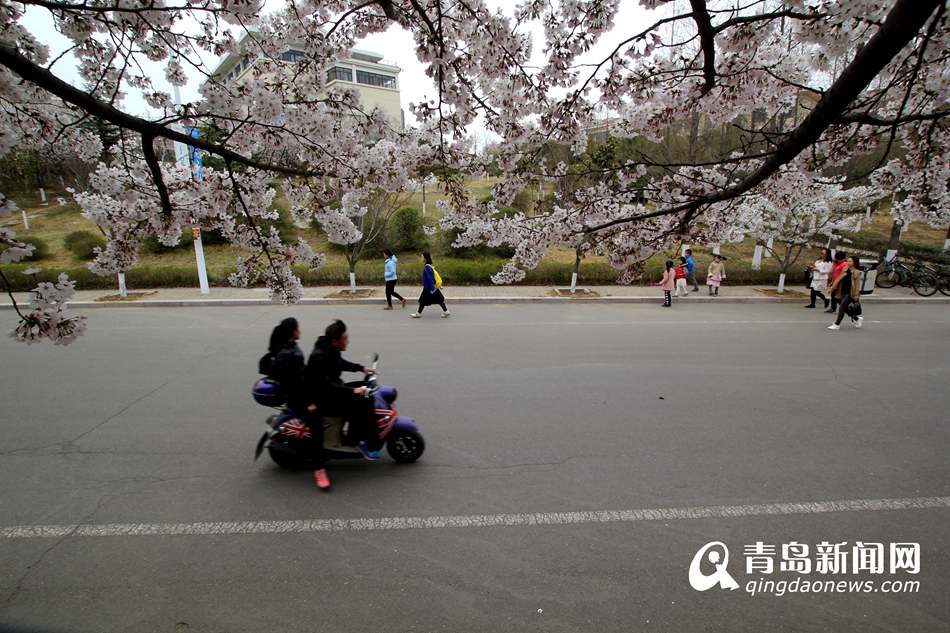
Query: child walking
{"points": [[667, 284], [715, 275], [681, 277]]}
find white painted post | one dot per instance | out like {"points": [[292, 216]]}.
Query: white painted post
{"points": [[867, 214], [184, 160], [423, 197], [26, 222], [200, 260], [858, 227], [683, 250], [781, 282], [833, 251], [123, 292], [573, 282], [757, 258], [353, 282], [43, 197], [769, 243], [904, 228], [946, 244], [715, 249], [890, 254]]}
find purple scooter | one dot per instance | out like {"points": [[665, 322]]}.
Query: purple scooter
{"points": [[287, 437]]}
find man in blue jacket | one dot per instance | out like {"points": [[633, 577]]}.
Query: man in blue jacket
{"points": [[323, 375]]}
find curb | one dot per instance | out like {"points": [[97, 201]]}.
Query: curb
{"points": [[225, 303]]}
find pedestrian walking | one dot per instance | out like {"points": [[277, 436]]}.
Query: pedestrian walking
{"points": [[389, 275], [669, 277], [848, 287], [691, 269], [715, 274], [821, 270], [841, 262], [680, 277], [431, 288]]}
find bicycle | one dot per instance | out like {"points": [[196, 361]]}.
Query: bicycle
{"points": [[921, 278]]}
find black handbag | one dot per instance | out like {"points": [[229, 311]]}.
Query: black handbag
{"points": [[854, 310]]}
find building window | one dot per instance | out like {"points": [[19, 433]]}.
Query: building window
{"points": [[374, 79], [292, 56], [338, 73]]}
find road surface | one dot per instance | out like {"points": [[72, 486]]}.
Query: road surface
{"points": [[578, 458]]}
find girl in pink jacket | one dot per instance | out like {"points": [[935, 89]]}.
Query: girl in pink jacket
{"points": [[668, 283]]}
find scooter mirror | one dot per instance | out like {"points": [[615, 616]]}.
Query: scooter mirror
{"points": [[375, 357]]}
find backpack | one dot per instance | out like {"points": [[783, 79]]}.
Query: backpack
{"points": [[266, 364], [438, 278]]}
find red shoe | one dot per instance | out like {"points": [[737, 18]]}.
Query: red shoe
{"points": [[320, 477]]}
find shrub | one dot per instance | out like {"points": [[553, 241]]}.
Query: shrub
{"points": [[152, 245], [82, 244], [40, 247], [405, 231]]}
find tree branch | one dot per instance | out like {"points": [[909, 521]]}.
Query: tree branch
{"points": [[39, 76], [707, 40], [900, 27], [148, 150]]}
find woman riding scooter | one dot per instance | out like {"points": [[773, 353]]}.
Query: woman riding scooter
{"points": [[285, 364]]}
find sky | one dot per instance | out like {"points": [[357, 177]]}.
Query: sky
{"points": [[395, 44]]}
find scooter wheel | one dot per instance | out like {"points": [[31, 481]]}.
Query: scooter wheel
{"points": [[406, 448], [287, 460]]}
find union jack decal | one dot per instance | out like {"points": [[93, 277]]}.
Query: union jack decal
{"points": [[294, 428]]}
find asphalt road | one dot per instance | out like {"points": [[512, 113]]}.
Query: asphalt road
{"points": [[528, 411]]}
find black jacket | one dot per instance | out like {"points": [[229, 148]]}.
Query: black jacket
{"points": [[287, 368], [324, 369]]}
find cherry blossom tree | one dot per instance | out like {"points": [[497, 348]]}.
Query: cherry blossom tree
{"points": [[805, 83], [796, 212]]}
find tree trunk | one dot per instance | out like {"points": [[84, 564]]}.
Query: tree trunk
{"points": [[894, 242], [946, 242], [693, 137], [577, 265]]}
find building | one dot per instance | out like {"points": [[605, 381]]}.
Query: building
{"points": [[375, 81]]}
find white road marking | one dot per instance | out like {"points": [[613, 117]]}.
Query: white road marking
{"points": [[304, 526]]}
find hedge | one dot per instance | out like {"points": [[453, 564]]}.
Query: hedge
{"points": [[82, 244], [455, 272], [40, 250]]}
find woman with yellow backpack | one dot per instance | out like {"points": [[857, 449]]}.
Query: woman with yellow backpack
{"points": [[431, 288]]}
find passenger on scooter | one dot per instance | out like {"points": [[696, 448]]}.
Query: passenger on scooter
{"points": [[324, 368], [284, 363]]}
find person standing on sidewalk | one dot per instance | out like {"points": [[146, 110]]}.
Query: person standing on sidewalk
{"points": [[849, 287], [680, 277], [431, 289], [840, 264], [691, 269], [390, 277], [715, 275], [669, 277], [820, 271]]}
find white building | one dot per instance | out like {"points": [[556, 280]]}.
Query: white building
{"points": [[375, 81]]}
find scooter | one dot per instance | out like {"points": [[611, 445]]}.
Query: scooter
{"points": [[287, 438]]}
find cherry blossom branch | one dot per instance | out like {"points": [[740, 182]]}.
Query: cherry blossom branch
{"points": [[900, 27], [39, 76]]}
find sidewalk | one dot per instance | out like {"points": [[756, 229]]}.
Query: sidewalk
{"points": [[334, 295]]}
